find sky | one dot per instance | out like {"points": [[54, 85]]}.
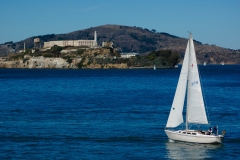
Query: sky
{"points": [[214, 22]]}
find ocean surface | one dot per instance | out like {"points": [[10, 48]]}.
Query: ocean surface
{"points": [[110, 114]]}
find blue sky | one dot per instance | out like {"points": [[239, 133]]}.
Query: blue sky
{"points": [[211, 21]]}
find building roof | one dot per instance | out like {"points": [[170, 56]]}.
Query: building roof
{"points": [[129, 53]]}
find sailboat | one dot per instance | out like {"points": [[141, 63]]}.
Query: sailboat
{"points": [[154, 67], [195, 109]]}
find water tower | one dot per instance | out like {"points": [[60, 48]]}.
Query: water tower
{"points": [[37, 43]]}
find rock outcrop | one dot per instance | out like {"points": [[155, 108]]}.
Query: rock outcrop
{"points": [[39, 62]]}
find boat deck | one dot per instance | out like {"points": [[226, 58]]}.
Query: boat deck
{"points": [[195, 132]]}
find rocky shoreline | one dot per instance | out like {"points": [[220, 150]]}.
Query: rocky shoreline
{"points": [[60, 63], [39, 62], [55, 63]]}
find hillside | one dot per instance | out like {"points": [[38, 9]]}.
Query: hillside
{"points": [[136, 39]]}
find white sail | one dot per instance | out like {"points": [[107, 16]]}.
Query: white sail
{"points": [[175, 117], [195, 105]]}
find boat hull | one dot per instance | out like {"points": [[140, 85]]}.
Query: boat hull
{"points": [[197, 138]]}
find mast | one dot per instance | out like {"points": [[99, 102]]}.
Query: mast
{"points": [[190, 36]]}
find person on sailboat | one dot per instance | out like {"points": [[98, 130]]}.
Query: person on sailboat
{"points": [[209, 131], [214, 130]]}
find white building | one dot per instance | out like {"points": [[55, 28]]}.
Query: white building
{"points": [[128, 55], [107, 44], [75, 43]]}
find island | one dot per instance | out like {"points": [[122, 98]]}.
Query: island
{"points": [[85, 57]]}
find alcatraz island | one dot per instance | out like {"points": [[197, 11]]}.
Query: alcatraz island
{"points": [[109, 46], [85, 54]]}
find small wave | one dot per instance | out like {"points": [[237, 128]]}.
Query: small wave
{"points": [[119, 139], [16, 111], [128, 139], [228, 114], [232, 140]]}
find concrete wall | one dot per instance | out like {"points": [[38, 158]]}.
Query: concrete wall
{"points": [[89, 43], [75, 43]]}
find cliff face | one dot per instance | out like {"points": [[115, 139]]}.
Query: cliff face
{"points": [[39, 62], [60, 63]]}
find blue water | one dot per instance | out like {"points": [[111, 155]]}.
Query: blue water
{"points": [[109, 114]]}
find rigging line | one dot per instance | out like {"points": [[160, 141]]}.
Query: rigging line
{"points": [[190, 125], [204, 99]]}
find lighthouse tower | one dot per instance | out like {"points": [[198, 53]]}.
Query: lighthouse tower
{"points": [[95, 36], [95, 39]]}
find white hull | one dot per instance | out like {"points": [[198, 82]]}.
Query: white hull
{"points": [[193, 136]]}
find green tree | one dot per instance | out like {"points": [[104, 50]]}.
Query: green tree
{"points": [[173, 59], [80, 51], [153, 30], [56, 50]]}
